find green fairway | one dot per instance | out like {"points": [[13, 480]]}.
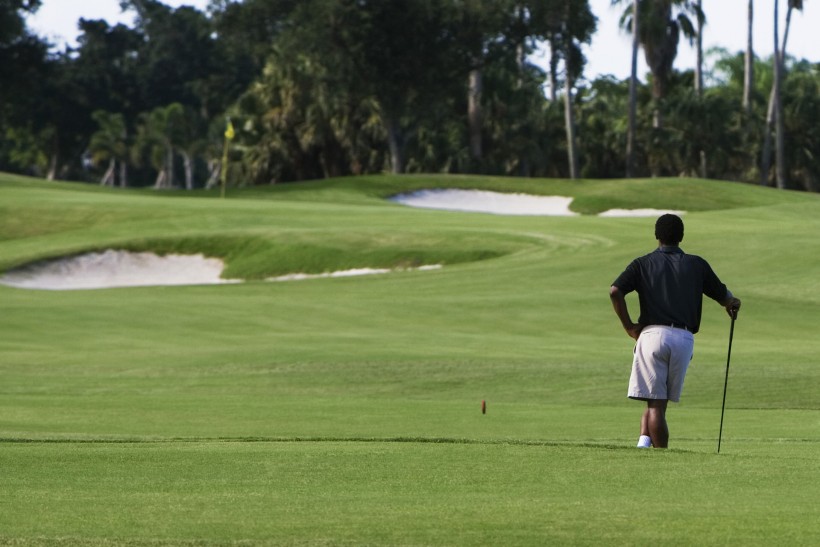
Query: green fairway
{"points": [[348, 410]]}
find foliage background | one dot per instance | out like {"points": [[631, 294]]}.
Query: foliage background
{"points": [[327, 88]]}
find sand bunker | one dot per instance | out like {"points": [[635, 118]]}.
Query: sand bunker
{"points": [[112, 269], [639, 212], [482, 201], [117, 269], [349, 273]]}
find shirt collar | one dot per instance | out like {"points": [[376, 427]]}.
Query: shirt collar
{"points": [[672, 249]]}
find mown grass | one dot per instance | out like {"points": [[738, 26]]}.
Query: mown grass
{"points": [[406, 493], [347, 411]]}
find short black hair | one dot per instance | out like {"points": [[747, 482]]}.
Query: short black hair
{"points": [[669, 229]]}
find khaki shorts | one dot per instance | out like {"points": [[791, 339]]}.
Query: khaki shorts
{"points": [[662, 356]]}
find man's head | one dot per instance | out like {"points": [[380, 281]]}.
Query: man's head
{"points": [[669, 229]]}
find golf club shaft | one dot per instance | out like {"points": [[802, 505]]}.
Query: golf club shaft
{"points": [[726, 380]]}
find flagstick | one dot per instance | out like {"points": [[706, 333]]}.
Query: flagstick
{"points": [[224, 174], [229, 135]]}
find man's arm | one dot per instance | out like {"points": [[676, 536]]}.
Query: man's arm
{"points": [[731, 304], [713, 288], [619, 304]]}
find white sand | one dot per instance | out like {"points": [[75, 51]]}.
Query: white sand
{"points": [[482, 201], [112, 269], [639, 213], [117, 269], [348, 273]]}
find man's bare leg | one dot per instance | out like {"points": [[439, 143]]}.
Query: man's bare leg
{"points": [[645, 441], [645, 422], [655, 417]]}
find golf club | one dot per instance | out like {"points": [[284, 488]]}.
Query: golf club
{"points": [[726, 380]]}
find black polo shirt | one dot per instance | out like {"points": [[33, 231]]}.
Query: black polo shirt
{"points": [[670, 285]]}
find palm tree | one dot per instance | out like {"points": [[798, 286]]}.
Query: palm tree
{"points": [[577, 24], [633, 93], [699, 48], [109, 144], [662, 22], [157, 138], [778, 101], [569, 115], [475, 87], [553, 67], [189, 142], [748, 73], [774, 115]]}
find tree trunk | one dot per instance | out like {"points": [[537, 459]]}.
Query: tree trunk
{"points": [[553, 75], [124, 160], [520, 61], [786, 36], [170, 168], [521, 58], [658, 91], [633, 95], [189, 170], [214, 171], [774, 98], [748, 72], [474, 113], [699, 77], [569, 116], [396, 144], [699, 48], [161, 179], [660, 56], [123, 174], [53, 164], [108, 177], [779, 56], [165, 177], [766, 152]]}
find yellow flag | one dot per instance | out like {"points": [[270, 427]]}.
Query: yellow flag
{"points": [[229, 132]]}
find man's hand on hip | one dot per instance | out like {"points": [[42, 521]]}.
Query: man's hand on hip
{"points": [[634, 330]]}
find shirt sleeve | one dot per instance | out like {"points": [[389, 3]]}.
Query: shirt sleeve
{"points": [[712, 286], [629, 279]]}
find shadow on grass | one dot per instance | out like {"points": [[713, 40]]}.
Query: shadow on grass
{"points": [[329, 439]]}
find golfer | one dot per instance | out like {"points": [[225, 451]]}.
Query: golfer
{"points": [[670, 285]]}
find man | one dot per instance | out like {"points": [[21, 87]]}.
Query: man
{"points": [[670, 285]]}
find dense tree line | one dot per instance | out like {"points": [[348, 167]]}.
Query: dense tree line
{"points": [[320, 88]]}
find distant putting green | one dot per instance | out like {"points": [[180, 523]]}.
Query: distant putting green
{"points": [[348, 411]]}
